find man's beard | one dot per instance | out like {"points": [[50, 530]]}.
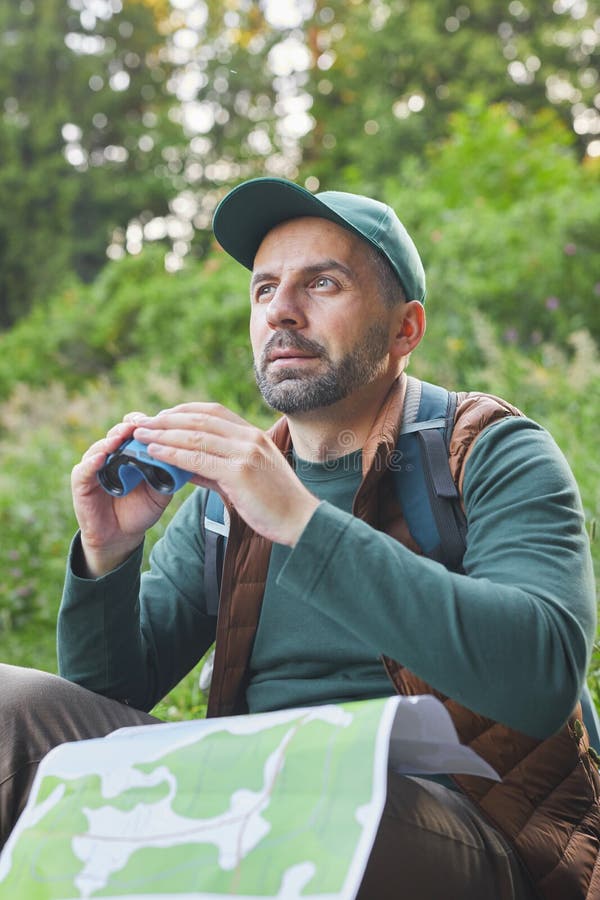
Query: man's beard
{"points": [[296, 391]]}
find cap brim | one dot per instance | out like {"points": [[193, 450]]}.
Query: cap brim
{"points": [[246, 215]]}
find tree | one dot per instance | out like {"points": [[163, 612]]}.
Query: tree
{"points": [[236, 81], [82, 135], [386, 74], [126, 121]]}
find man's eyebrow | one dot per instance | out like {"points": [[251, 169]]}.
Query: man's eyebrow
{"points": [[261, 276], [325, 265]]}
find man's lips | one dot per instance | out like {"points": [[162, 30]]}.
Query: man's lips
{"points": [[289, 355]]}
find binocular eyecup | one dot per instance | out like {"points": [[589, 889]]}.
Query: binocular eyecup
{"points": [[130, 463]]}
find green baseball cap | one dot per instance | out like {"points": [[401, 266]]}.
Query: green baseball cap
{"points": [[249, 211]]}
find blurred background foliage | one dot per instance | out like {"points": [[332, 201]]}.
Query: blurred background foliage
{"points": [[122, 123]]}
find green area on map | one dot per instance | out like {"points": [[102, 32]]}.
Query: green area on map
{"points": [[273, 812]]}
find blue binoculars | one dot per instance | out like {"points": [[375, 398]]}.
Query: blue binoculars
{"points": [[130, 463]]}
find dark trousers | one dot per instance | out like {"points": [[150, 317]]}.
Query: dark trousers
{"points": [[431, 842]]}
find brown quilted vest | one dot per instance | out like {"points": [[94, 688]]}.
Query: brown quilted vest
{"points": [[548, 802]]}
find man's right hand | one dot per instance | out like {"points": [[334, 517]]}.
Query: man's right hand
{"points": [[111, 527]]}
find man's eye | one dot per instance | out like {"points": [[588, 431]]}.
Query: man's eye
{"points": [[264, 290], [323, 281]]}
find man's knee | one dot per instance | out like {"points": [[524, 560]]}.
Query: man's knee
{"points": [[25, 708], [39, 711], [32, 704], [50, 710], [22, 692], [432, 843], [18, 684]]}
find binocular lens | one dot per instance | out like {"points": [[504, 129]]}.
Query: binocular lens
{"points": [[112, 482], [109, 476], [158, 478]]}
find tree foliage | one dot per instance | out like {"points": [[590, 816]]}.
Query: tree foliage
{"points": [[234, 100], [508, 222], [124, 121], [82, 133], [387, 74]]}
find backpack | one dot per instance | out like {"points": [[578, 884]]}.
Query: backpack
{"points": [[422, 479]]}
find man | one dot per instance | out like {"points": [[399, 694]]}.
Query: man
{"points": [[322, 579]]}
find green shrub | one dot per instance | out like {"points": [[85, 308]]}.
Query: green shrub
{"points": [[508, 223]]}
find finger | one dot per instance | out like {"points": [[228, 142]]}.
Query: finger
{"points": [[193, 446], [96, 447], [221, 461], [109, 444], [122, 430], [187, 450], [168, 428], [204, 460], [84, 474], [134, 416], [104, 446], [211, 411]]}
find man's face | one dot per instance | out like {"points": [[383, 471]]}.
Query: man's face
{"points": [[319, 328]]}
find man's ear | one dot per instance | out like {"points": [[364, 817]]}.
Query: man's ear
{"points": [[410, 327]]}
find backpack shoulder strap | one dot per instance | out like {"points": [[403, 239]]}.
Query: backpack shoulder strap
{"points": [[424, 485], [216, 531]]}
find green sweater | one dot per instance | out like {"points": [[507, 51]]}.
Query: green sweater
{"points": [[511, 638]]}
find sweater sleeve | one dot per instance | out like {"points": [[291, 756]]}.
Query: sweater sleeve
{"points": [[133, 636], [511, 638]]}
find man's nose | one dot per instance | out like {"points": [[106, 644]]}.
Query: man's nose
{"points": [[286, 307]]}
